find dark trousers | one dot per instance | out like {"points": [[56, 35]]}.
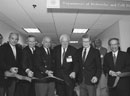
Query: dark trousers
{"points": [[2, 91], [10, 89], [23, 88], [87, 90], [62, 89], [45, 89], [118, 92], [122, 88]]}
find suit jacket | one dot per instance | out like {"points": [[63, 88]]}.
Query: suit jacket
{"points": [[128, 50], [2, 81], [122, 64], [63, 71], [28, 58], [7, 59], [43, 62], [91, 67], [103, 51]]}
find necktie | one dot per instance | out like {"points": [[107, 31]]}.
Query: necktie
{"points": [[14, 51], [33, 49], [114, 58], [63, 55], [48, 51], [84, 54]]}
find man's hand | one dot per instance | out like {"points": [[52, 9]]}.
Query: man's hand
{"points": [[49, 72], [14, 69], [30, 73], [112, 73], [118, 73], [94, 79], [72, 75]]}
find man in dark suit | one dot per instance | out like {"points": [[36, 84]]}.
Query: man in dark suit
{"points": [[115, 63], [102, 85], [2, 81], [10, 59], [90, 67], [44, 67], [66, 66], [28, 60]]}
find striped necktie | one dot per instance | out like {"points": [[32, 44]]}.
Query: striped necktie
{"points": [[84, 54]]}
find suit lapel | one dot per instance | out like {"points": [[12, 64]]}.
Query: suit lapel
{"points": [[66, 54], [29, 50], [112, 61], [118, 59], [17, 52], [59, 55], [11, 51], [44, 51]]}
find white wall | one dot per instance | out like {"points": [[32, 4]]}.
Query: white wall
{"points": [[5, 30], [124, 34], [112, 31], [121, 30]]}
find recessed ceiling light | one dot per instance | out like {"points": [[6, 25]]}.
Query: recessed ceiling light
{"points": [[32, 30], [76, 30]]}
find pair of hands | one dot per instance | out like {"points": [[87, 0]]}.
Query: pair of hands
{"points": [[113, 73], [31, 73], [93, 80], [50, 73]]}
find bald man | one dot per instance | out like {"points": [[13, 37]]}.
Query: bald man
{"points": [[44, 67], [66, 66]]}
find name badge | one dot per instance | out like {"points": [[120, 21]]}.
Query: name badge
{"points": [[69, 59]]}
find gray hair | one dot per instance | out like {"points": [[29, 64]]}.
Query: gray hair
{"points": [[65, 36], [13, 34], [45, 37]]}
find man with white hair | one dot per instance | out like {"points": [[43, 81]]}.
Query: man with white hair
{"points": [[10, 60], [66, 66], [44, 67]]}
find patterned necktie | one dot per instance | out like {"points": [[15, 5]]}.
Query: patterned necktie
{"points": [[84, 54], [114, 58], [14, 51], [33, 49], [48, 51], [63, 55]]}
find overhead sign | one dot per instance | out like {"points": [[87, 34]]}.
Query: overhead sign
{"points": [[96, 4], [53, 3]]}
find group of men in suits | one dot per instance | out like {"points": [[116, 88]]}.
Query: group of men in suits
{"points": [[82, 66]]}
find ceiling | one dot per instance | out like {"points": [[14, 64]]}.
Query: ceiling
{"points": [[21, 13]]}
